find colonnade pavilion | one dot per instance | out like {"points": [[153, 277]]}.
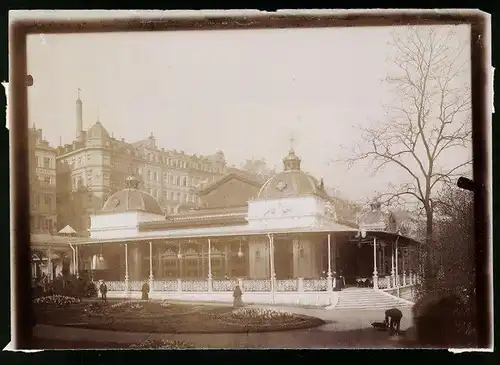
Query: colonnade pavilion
{"points": [[281, 240]]}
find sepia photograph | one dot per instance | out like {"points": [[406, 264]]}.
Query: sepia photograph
{"points": [[255, 183]]}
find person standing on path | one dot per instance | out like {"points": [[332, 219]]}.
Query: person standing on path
{"points": [[145, 291], [237, 294], [103, 288]]}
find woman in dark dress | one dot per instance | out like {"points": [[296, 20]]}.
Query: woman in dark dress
{"points": [[237, 294], [145, 291]]}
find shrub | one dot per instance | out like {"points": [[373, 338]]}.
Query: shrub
{"points": [[442, 320]]}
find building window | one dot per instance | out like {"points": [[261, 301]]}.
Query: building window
{"points": [[46, 163], [165, 194], [165, 177], [105, 161], [46, 181], [156, 176], [186, 198], [171, 180], [171, 195], [149, 175], [193, 199], [48, 200], [90, 198], [178, 196], [184, 181]]}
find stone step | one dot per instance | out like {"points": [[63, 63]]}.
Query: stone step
{"points": [[368, 299]]}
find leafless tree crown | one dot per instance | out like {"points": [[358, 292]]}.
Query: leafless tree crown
{"points": [[428, 118]]}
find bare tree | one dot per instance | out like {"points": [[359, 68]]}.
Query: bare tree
{"points": [[428, 120], [258, 167]]}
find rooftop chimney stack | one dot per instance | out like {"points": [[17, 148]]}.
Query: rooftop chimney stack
{"points": [[79, 116]]}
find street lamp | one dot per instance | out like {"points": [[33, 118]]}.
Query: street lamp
{"points": [[240, 253]]}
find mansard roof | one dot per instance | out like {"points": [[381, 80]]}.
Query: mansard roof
{"points": [[233, 174]]}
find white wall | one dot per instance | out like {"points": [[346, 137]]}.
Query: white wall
{"points": [[119, 225], [303, 211]]}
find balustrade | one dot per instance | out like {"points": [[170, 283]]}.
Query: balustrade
{"points": [[194, 285], [287, 285], [384, 282], [255, 285], [165, 285], [315, 285], [224, 285]]}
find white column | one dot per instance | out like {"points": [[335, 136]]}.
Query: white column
{"points": [[49, 263], [329, 275], [403, 263], [397, 259], [126, 267], [393, 278], [375, 272], [77, 262], [150, 266], [209, 265], [271, 258]]}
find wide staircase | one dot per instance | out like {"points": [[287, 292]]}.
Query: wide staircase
{"points": [[358, 298]]}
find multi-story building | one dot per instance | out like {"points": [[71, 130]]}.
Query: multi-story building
{"points": [[42, 167], [96, 165]]}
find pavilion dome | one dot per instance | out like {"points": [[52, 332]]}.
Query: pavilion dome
{"points": [[131, 199], [291, 182]]}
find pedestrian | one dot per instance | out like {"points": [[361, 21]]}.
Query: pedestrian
{"points": [[393, 320], [237, 294], [103, 288], [145, 291]]}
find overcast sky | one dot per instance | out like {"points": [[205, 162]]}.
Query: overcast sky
{"points": [[243, 92]]}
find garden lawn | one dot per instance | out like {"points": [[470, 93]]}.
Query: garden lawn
{"points": [[165, 317]]}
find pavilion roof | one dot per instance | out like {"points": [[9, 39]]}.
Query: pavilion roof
{"points": [[55, 241]]}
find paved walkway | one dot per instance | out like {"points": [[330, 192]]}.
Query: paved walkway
{"points": [[343, 329]]}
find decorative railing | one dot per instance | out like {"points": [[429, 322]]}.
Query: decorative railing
{"points": [[315, 285], [256, 285], [404, 292], [135, 285], [224, 285], [287, 285], [384, 282], [116, 285], [165, 285], [194, 285]]}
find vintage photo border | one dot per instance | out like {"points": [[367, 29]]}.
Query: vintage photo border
{"points": [[481, 107]]}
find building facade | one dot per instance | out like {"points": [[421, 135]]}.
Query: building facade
{"points": [[42, 167], [283, 241], [95, 165]]}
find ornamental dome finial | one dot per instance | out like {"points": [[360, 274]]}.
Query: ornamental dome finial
{"points": [[131, 182]]}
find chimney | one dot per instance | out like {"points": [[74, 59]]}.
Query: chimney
{"points": [[79, 116]]}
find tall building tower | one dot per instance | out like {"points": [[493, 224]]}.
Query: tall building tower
{"points": [[79, 117]]}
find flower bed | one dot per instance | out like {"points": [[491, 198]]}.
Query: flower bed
{"points": [[165, 317], [56, 300], [162, 344]]}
